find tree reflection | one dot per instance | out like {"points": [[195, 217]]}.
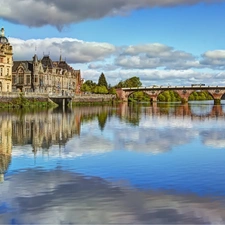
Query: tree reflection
{"points": [[102, 118]]}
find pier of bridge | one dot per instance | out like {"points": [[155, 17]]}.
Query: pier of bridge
{"points": [[183, 91]]}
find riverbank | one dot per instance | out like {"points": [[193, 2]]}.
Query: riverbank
{"points": [[24, 100], [93, 99], [19, 100]]}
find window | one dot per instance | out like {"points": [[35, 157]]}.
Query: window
{"points": [[1, 71], [28, 79], [13, 79], [36, 79], [1, 60], [7, 87], [21, 80], [7, 72], [8, 60], [21, 76]]}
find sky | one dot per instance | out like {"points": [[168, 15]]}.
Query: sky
{"points": [[163, 42]]}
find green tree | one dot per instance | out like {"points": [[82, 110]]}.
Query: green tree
{"points": [[112, 91], [200, 96], [88, 86], [169, 96], [120, 85], [85, 88], [102, 81], [131, 82], [100, 90], [139, 96]]}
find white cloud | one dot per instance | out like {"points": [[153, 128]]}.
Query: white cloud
{"points": [[153, 63], [75, 51], [155, 55], [58, 13], [149, 77], [214, 59]]}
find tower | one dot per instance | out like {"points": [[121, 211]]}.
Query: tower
{"points": [[6, 63]]}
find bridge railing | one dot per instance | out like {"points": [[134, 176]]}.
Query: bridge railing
{"points": [[196, 87]]}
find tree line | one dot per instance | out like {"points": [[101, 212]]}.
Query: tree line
{"points": [[102, 87]]}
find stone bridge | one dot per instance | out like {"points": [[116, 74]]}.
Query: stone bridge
{"points": [[183, 91]]}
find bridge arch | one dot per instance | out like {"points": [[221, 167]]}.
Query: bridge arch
{"points": [[151, 94], [184, 92]]}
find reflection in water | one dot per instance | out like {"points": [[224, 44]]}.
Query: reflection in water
{"points": [[5, 144], [44, 129], [74, 199], [95, 152]]}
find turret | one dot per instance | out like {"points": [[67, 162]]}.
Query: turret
{"points": [[35, 58], [3, 39], [2, 32]]}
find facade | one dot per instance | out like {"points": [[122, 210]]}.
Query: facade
{"points": [[45, 76], [6, 63]]}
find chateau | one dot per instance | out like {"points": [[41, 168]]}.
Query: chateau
{"points": [[39, 76], [6, 63]]}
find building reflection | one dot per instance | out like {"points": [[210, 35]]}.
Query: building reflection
{"points": [[44, 129], [5, 144]]}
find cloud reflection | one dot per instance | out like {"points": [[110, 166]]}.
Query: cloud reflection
{"points": [[153, 140], [58, 197], [213, 138]]}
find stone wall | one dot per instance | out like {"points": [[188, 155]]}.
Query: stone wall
{"points": [[93, 98]]}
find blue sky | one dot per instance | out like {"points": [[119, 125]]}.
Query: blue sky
{"points": [[159, 41]]}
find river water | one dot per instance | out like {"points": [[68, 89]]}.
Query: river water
{"points": [[126, 164]]}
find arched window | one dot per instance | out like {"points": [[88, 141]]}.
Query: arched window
{"points": [[0, 86]]}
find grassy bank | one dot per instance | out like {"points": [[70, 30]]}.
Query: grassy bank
{"points": [[22, 102]]}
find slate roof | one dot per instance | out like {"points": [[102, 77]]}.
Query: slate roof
{"points": [[47, 62], [27, 65]]}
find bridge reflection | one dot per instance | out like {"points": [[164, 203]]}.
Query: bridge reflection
{"points": [[193, 111]]}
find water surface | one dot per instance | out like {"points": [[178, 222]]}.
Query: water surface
{"points": [[127, 164]]}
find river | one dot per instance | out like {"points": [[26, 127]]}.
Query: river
{"points": [[125, 164]]}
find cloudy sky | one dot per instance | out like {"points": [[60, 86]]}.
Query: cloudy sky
{"points": [[176, 42]]}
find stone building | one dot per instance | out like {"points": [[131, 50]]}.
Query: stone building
{"points": [[6, 63], [45, 76]]}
